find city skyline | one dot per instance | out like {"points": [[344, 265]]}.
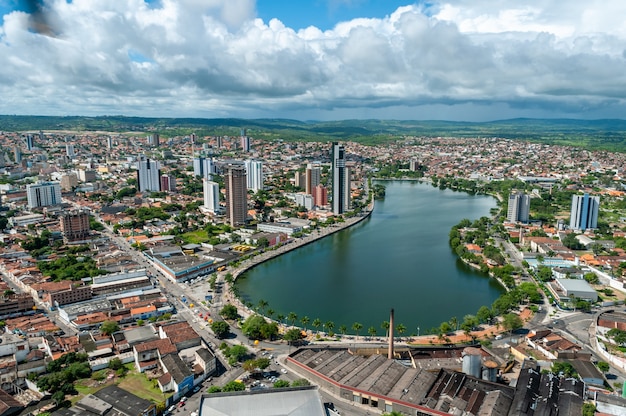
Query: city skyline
{"points": [[454, 60]]}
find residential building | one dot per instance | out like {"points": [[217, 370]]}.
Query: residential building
{"points": [[43, 194], [153, 140], [211, 192], [236, 194], [313, 175], [518, 208], [69, 181], [320, 196], [584, 213], [204, 167], [148, 176], [305, 200], [69, 150], [30, 142], [245, 141], [254, 175], [340, 179], [75, 225], [168, 183]]}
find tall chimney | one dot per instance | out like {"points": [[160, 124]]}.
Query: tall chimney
{"points": [[390, 352]]}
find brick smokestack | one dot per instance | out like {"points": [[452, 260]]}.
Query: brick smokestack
{"points": [[390, 352]]}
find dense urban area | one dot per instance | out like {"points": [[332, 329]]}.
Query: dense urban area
{"points": [[120, 254]]}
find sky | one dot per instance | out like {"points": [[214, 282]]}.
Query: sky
{"points": [[466, 60]]}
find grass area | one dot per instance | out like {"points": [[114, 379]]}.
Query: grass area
{"points": [[139, 385], [195, 237]]}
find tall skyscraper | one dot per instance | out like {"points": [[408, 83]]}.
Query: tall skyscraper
{"points": [[341, 179], [254, 174], [236, 194], [518, 208], [211, 191], [584, 214], [148, 176], [109, 143], [203, 167], [43, 194], [313, 175]]}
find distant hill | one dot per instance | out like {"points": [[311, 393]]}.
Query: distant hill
{"points": [[593, 134]]}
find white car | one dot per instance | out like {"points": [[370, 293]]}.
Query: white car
{"points": [[282, 370]]}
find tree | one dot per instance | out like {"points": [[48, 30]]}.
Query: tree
{"points": [[221, 329], [372, 331], [589, 409], [115, 364], [512, 322], [603, 366], [292, 317], [343, 329], [262, 305], [591, 278], [329, 325], [317, 322], [357, 327], [109, 327], [300, 382], [560, 367], [234, 386], [281, 383], [304, 321], [256, 327], [229, 312], [214, 389], [401, 328], [484, 314], [292, 336], [237, 352], [385, 326]]}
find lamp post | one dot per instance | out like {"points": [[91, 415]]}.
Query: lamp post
{"points": [[418, 331]]}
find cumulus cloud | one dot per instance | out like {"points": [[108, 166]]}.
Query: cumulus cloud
{"points": [[213, 58]]}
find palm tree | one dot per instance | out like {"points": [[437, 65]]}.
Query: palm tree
{"points": [[304, 321], [330, 325], [270, 312], [357, 327], [454, 323], [343, 329], [261, 305], [280, 317], [292, 317], [385, 326], [401, 329], [372, 331], [317, 323]]}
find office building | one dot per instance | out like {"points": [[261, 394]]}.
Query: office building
{"points": [[245, 141], [340, 179], [69, 150], [313, 176], [75, 225], [109, 143], [30, 142], [236, 194], [153, 140], [584, 214], [17, 155], [203, 167], [69, 181], [254, 175], [518, 208], [211, 191], [320, 196], [168, 183], [148, 176], [43, 194]]}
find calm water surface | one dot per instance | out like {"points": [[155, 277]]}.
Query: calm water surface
{"points": [[398, 258]]}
